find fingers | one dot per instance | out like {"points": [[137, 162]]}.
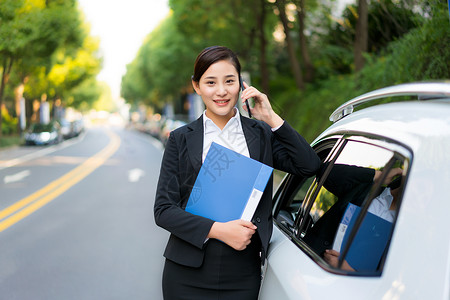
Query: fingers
{"points": [[250, 92], [332, 257], [332, 252], [392, 173], [247, 224], [239, 234], [398, 171]]}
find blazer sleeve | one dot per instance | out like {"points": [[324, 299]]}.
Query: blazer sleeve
{"points": [[175, 182], [345, 178], [292, 153]]}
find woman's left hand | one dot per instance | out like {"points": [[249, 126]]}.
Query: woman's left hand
{"points": [[262, 110], [332, 257]]}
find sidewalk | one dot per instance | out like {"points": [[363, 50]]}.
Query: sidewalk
{"points": [[11, 156], [11, 152]]}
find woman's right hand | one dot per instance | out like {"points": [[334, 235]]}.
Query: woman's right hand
{"points": [[332, 257], [236, 234], [392, 173]]}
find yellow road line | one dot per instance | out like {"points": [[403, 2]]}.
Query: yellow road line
{"points": [[30, 204]]}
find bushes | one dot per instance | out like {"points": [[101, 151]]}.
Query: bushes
{"points": [[6, 141], [9, 124], [9, 130], [310, 116], [422, 54]]}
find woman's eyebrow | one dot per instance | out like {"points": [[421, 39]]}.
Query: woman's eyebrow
{"points": [[214, 77]]}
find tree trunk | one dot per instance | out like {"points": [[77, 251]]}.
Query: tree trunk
{"points": [[361, 35], [262, 48], [18, 95], [247, 32], [306, 59], [290, 46], [5, 75]]}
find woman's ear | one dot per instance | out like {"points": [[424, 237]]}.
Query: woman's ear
{"points": [[196, 86]]}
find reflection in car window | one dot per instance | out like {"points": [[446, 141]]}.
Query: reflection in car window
{"points": [[291, 205], [292, 192], [359, 180], [351, 178]]}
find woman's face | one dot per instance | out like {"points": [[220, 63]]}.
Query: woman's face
{"points": [[219, 89]]}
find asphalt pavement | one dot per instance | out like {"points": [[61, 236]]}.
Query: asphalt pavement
{"points": [[76, 219]]}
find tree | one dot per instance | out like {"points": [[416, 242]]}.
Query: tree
{"points": [[85, 95], [361, 35], [306, 59], [104, 101], [69, 71], [31, 31], [15, 23], [133, 85], [244, 26], [296, 70], [261, 16]]}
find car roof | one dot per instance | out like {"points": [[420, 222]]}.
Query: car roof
{"points": [[421, 127], [421, 90], [410, 123]]}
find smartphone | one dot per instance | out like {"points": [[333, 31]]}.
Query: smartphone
{"points": [[246, 101], [395, 183]]}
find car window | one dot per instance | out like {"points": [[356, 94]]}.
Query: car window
{"points": [[352, 202], [292, 191]]}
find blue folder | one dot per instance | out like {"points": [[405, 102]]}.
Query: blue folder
{"points": [[369, 243], [228, 186]]}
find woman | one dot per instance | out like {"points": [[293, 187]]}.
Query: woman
{"points": [[207, 259]]}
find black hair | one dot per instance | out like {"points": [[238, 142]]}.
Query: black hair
{"points": [[211, 55]]}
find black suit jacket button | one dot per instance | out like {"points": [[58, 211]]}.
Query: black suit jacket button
{"points": [[258, 220]]}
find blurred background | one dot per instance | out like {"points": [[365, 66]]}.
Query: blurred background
{"points": [[67, 60]]}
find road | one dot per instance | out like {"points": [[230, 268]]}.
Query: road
{"points": [[76, 219]]}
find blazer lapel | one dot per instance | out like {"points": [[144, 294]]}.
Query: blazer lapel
{"points": [[251, 137], [194, 142]]}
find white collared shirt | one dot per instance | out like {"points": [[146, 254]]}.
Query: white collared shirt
{"points": [[381, 204], [231, 136]]}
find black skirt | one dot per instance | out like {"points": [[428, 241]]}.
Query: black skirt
{"points": [[224, 274]]}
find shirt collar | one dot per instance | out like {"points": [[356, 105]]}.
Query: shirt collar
{"points": [[207, 122], [387, 197]]}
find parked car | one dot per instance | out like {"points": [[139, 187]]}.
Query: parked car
{"points": [[67, 129], [152, 127], [361, 152], [167, 126], [43, 134], [78, 126]]}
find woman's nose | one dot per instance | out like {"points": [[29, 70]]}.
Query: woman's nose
{"points": [[221, 89]]}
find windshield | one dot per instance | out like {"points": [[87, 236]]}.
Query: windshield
{"points": [[36, 128]]}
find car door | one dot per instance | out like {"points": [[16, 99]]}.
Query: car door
{"points": [[362, 174]]}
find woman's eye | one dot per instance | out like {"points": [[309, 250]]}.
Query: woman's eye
{"points": [[210, 82], [230, 81]]}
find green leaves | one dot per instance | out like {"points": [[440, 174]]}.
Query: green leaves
{"points": [[49, 46]]}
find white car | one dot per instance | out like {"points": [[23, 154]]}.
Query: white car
{"points": [[374, 222]]}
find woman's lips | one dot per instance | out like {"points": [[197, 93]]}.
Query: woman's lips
{"points": [[221, 102]]}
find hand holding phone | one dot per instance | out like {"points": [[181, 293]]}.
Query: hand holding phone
{"points": [[246, 101]]}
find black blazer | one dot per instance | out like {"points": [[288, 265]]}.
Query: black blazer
{"points": [[283, 149], [351, 184]]}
